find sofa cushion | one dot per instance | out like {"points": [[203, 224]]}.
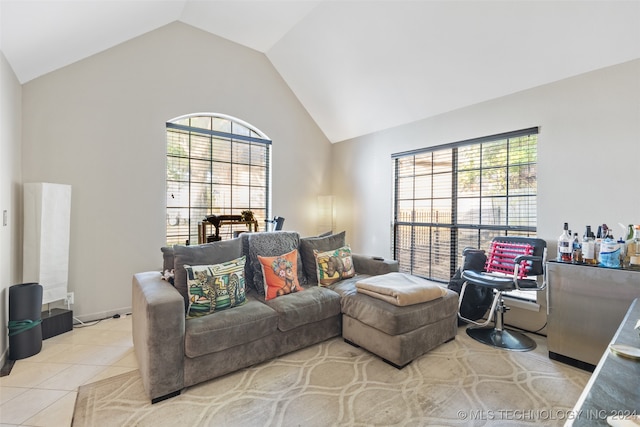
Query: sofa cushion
{"points": [[270, 244], [208, 253], [393, 319], [312, 305], [215, 287], [229, 328], [334, 265], [347, 286], [320, 244]]}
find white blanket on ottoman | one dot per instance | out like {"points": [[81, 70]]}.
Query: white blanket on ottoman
{"points": [[400, 288]]}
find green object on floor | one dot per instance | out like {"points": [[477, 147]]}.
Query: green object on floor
{"points": [[18, 326]]}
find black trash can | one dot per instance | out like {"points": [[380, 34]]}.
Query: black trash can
{"points": [[25, 320]]}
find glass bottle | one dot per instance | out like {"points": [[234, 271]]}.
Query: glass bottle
{"points": [[576, 255], [598, 242], [623, 252], [589, 247], [565, 245], [634, 249]]}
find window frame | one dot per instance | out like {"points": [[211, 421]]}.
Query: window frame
{"points": [[226, 158], [408, 249]]}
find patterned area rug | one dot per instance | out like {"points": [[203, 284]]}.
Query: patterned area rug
{"points": [[461, 383]]}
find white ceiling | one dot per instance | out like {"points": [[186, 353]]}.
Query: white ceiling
{"points": [[357, 66]]}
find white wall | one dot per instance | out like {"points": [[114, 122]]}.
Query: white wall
{"points": [[588, 156], [10, 194], [588, 149], [99, 125]]}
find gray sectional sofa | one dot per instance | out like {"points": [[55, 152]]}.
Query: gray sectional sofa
{"points": [[174, 352]]}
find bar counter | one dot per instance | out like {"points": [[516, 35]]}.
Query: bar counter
{"points": [[614, 388], [585, 305]]}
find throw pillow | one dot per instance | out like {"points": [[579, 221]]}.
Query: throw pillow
{"points": [[280, 274], [320, 244], [215, 287], [270, 244], [205, 254], [334, 265]]}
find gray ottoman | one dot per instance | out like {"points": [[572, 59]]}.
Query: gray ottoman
{"points": [[398, 334]]}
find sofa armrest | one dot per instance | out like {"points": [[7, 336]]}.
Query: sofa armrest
{"points": [[373, 266], [158, 324]]}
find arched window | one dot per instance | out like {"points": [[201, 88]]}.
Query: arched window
{"points": [[216, 165]]}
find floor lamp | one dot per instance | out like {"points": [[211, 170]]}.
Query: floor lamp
{"points": [[47, 215]]}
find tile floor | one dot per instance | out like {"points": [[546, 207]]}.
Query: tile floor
{"points": [[41, 390]]}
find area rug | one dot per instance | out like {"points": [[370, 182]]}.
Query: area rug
{"points": [[333, 383]]}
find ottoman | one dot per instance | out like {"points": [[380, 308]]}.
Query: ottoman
{"points": [[398, 333]]}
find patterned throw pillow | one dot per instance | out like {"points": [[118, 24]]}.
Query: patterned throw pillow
{"points": [[280, 274], [320, 244], [215, 287], [269, 244], [334, 265]]}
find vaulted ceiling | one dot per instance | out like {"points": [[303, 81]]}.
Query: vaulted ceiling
{"points": [[357, 66]]}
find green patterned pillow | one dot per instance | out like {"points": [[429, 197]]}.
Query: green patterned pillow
{"points": [[334, 265], [215, 287]]}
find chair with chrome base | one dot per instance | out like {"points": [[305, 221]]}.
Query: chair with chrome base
{"points": [[513, 263]]}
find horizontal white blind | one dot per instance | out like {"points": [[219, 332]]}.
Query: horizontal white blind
{"points": [[215, 166], [462, 195]]}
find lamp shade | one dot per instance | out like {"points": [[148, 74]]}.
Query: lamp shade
{"points": [[47, 215]]}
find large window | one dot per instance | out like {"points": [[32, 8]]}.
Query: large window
{"points": [[462, 195], [216, 165]]}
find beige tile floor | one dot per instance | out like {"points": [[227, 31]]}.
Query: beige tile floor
{"points": [[41, 390]]}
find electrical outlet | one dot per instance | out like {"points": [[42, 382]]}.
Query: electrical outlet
{"points": [[70, 298]]}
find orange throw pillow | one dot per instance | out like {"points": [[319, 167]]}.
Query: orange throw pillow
{"points": [[280, 274]]}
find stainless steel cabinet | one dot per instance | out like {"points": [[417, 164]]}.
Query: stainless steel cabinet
{"points": [[585, 307]]}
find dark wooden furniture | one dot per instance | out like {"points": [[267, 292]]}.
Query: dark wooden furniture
{"points": [[217, 221], [55, 322]]}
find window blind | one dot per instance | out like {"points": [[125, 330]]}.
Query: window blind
{"points": [[462, 195], [215, 166]]}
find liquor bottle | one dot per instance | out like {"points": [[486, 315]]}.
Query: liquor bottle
{"points": [[576, 254], [629, 246], [589, 247], [623, 252], [598, 242], [565, 245], [634, 256]]}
